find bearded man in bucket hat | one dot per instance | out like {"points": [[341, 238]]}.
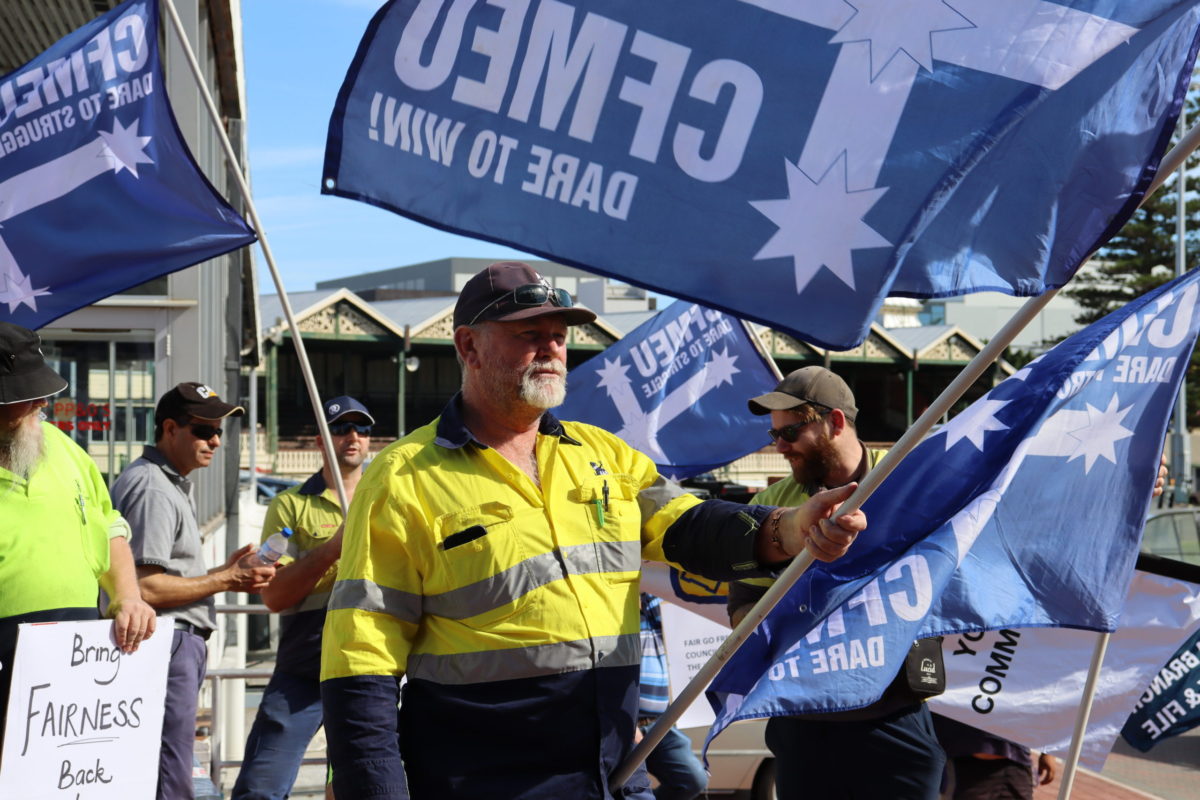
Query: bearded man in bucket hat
{"points": [[492, 557], [53, 563]]}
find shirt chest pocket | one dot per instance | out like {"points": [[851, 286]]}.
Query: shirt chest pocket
{"points": [[609, 505], [484, 575]]}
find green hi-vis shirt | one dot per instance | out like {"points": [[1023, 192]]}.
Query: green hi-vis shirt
{"points": [[313, 513], [787, 492], [54, 531]]}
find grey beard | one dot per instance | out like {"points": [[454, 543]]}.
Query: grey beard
{"points": [[543, 393], [21, 453]]}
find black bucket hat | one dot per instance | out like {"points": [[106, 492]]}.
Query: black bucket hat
{"points": [[23, 371]]}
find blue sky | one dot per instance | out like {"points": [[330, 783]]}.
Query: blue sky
{"points": [[296, 55]]}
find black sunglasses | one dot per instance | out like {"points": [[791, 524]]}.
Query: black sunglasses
{"points": [[204, 431], [531, 294], [790, 433], [343, 428]]}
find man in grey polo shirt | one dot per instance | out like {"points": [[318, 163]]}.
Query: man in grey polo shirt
{"points": [[155, 495]]}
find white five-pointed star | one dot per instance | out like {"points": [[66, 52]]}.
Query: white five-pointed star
{"points": [[1097, 432], [124, 148], [820, 223], [721, 368], [972, 424], [889, 33], [613, 374], [20, 290]]}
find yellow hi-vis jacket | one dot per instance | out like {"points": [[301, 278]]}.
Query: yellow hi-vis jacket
{"points": [[511, 607], [457, 568]]}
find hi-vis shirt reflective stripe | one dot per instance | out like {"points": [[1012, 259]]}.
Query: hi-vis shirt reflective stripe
{"points": [[457, 568]]}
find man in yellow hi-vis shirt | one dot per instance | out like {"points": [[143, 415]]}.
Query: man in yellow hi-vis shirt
{"points": [[493, 556]]}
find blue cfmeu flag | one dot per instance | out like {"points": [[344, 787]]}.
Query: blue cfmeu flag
{"points": [[1026, 510], [98, 192], [668, 388], [791, 163]]}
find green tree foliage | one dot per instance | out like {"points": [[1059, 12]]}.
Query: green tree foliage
{"points": [[1140, 257]]}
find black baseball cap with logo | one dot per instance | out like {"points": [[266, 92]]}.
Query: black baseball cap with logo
{"points": [[192, 399], [23, 371]]}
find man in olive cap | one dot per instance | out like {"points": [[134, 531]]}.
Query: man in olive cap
{"points": [[60, 538], [493, 558], [813, 415], [156, 496]]}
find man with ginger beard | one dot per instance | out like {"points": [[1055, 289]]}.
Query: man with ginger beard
{"points": [[813, 416], [53, 563], [492, 557]]}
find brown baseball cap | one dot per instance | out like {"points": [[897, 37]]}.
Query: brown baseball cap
{"points": [[512, 290], [807, 385], [193, 399]]}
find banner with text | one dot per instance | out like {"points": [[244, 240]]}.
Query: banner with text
{"points": [[1171, 703], [791, 163], [98, 192], [84, 719], [1026, 684]]}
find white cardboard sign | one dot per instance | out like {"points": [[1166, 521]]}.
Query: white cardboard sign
{"points": [[84, 719], [690, 640]]}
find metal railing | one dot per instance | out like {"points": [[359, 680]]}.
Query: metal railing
{"points": [[218, 676]]}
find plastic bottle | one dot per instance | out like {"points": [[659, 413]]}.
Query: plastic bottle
{"points": [[271, 550]]}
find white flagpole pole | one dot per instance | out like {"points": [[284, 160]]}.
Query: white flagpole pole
{"points": [[761, 348], [942, 405], [1081, 719], [239, 175]]}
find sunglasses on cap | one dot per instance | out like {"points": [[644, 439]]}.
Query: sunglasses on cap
{"points": [[344, 428], [790, 433], [204, 431], [531, 294]]}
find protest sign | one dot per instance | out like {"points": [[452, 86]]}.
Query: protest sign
{"points": [[84, 719]]}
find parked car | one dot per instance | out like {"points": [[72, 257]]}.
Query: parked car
{"points": [[267, 486], [1173, 533], [740, 765], [718, 488]]}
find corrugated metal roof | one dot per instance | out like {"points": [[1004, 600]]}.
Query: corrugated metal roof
{"points": [[31, 26], [917, 339]]}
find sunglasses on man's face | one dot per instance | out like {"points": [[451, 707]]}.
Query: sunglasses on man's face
{"points": [[344, 428], [531, 294], [204, 431], [790, 433]]}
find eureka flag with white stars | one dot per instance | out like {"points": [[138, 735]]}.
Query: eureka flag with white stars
{"points": [[98, 192], [792, 162], [1026, 510], [675, 388]]}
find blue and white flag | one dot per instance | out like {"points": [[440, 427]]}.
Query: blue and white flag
{"points": [[1024, 511], [98, 192], [668, 388], [790, 162]]}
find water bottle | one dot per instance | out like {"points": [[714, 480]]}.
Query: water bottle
{"points": [[271, 550]]}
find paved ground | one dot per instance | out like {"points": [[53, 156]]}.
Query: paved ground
{"points": [[1171, 771]]}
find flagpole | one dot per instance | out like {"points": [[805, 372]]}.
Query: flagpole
{"points": [[762, 350], [238, 174], [942, 405], [1081, 720]]}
